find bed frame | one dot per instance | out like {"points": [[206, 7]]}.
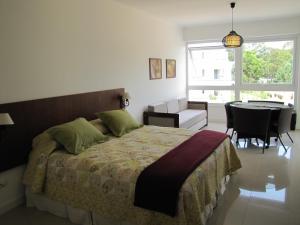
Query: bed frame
{"points": [[34, 116]]}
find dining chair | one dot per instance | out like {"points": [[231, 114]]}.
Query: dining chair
{"points": [[294, 117], [229, 117], [283, 125], [252, 123], [265, 101]]}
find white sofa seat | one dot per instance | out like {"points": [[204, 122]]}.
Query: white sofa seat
{"points": [[189, 117]]}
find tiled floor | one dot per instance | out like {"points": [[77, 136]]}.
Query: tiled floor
{"points": [[266, 191]]}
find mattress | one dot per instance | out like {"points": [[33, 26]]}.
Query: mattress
{"points": [[102, 178]]}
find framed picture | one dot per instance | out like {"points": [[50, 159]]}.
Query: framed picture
{"points": [[155, 68], [170, 68]]}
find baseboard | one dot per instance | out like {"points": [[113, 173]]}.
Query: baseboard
{"points": [[13, 203]]}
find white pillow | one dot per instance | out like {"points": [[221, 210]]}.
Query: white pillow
{"points": [[183, 104], [173, 106], [158, 107]]}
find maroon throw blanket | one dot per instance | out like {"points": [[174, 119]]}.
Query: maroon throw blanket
{"points": [[157, 188]]}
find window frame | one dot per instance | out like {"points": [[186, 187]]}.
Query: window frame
{"points": [[238, 85]]}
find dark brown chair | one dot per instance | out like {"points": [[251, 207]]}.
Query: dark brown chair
{"points": [[294, 117], [252, 123], [283, 125], [229, 117], [282, 103]]}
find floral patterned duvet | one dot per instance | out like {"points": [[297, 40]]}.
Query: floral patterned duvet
{"points": [[102, 178]]}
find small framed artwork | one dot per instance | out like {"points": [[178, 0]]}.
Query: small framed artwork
{"points": [[170, 68], [155, 68]]}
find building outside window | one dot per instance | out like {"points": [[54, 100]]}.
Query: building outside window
{"points": [[216, 74]]}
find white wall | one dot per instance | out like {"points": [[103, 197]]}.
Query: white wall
{"points": [[58, 47], [278, 27]]}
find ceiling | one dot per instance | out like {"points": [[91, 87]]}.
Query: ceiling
{"points": [[190, 12]]}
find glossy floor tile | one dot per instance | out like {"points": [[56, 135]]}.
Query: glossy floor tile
{"points": [[265, 191]]}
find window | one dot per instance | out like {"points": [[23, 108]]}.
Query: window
{"points": [[211, 72], [264, 71], [215, 65], [215, 96]]}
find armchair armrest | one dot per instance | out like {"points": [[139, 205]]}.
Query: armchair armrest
{"points": [[161, 119], [198, 105]]}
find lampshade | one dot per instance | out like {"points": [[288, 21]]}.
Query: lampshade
{"points": [[5, 119], [232, 40], [126, 95]]}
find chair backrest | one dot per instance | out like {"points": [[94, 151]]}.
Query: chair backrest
{"points": [[229, 116], [252, 122], [284, 120], [282, 103]]}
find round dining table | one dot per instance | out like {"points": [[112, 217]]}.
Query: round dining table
{"points": [[259, 105], [274, 107]]}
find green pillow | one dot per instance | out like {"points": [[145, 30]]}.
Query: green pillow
{"points": [[119, 122], [77, 135]]}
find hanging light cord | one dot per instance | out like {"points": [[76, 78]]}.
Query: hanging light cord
{"points": [[231, 18], [232, 4]]}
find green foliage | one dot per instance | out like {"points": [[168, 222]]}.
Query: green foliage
{"points": [[267, 65], [259, 95]]}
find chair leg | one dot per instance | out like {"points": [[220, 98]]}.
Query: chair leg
{"points": [[231, 134], [237, 140], [257, 141], [250, 140], [277, 138], [264, 144], [227, 130], [290, 137], [282, 144], [268, 142]]}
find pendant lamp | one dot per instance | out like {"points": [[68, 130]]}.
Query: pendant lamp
{"points": [[232, 40]]}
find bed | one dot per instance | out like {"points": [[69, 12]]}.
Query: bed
{"points": [[102, 179], [98, 185]]}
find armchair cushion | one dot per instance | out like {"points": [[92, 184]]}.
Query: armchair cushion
{"points": [[173, 106], [158, 107], [189, 117], [183, 104]]}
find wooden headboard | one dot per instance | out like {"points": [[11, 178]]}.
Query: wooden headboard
{"points": [[35, 116]]}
